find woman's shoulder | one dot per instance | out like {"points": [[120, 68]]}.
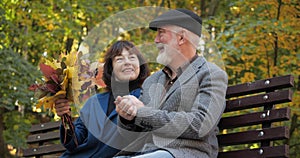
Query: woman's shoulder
{"points": [[97, 97], [95, 101], [136, 92]]}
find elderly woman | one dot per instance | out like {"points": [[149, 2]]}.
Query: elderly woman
{"points": [[96, 129]]}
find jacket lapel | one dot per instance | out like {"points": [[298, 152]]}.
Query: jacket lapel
{"points": [[103, 100], [159, 91], [187, 74]]}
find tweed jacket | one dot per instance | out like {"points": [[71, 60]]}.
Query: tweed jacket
{"points": [[184, 119]]}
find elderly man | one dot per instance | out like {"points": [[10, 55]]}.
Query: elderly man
{"points": [[181, 104]]}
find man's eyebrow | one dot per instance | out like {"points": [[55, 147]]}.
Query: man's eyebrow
{"points": [[160, 29]]}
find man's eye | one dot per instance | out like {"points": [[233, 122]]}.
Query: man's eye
{"points": [[161, 31]]}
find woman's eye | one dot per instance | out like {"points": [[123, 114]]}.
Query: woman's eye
{"points": [[132, 57], [119, 59]]}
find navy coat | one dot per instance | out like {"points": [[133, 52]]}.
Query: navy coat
{"points": [[97, 134]]}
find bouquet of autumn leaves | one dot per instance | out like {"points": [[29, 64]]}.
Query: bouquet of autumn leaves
{"points": [[60, 78]]}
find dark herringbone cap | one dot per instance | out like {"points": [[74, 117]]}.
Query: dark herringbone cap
{"points": [[179, 17]]}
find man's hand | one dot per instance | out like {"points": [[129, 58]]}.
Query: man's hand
{"points": [[127, 106]]}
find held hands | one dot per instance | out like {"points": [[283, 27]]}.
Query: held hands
{"points": [[127, 106], [62, 107]]}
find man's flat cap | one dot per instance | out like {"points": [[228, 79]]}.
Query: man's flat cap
{"points": [[179, 17]]}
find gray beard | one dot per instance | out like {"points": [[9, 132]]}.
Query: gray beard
{"points": [[163, 59]]}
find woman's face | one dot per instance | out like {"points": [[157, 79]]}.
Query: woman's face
{"points": [[126, 67]]}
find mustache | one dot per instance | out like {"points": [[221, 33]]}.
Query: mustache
{"points": [[160, 45]]}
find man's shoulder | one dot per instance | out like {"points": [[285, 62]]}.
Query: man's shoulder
{"points": [[155, 75], [153, 78], [210, 65]]}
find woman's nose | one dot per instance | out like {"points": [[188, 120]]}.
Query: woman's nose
{"points": [[126, 60]]}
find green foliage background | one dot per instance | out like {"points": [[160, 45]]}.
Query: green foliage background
{"points": [[257, 39]]}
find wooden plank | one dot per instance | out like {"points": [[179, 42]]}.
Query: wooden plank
{"points": [[273, 151], [275, 133], [44, 150], [271, 98], [41, 137], [260, 86], [275, 115], [44, 126]]}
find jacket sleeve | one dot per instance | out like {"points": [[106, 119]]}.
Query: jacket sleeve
{"points": [[80, 133], [199, 106], [80, 126]]}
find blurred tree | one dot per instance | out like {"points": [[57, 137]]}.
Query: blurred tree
{"points": [[258, 39], [30, 30], [15, 77]]}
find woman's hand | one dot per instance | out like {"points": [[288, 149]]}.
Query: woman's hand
{"points": [[62, 107], [127, 106]]}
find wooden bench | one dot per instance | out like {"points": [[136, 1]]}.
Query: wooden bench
{"points": [[252, 124]]}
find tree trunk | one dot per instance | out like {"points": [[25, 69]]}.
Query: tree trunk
{"points": [[69, 45], [276, 49], [3, 148], [202, 8], [213, 7], [298, 85]]}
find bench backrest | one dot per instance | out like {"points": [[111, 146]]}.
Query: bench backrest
{"points": [[251, 120], [44, 140], [252, 124]]}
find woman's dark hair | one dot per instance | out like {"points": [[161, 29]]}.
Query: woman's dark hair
{"points": [[115, 50]]}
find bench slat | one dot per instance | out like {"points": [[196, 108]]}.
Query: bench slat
{"points": [[40, 137], [44, 126], [270, 134], [260, 86], [259, 100], [274, 152], [275, 115], [44, 150]]}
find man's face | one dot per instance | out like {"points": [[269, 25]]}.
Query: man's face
{"points": [[126, 66], [166, 42]]}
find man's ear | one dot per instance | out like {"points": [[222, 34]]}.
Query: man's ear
{"points": [[182, 39]]}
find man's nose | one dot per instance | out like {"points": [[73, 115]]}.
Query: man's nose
{"points": [[157, 39]]}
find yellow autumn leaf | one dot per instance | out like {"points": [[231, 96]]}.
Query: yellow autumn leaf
{"points": [[71, 71], [54, 64], [76, 95], [61, 92], [47, 102], [64, 84], [70, 58], [50, 27], [77, 85], [248, 77]]}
